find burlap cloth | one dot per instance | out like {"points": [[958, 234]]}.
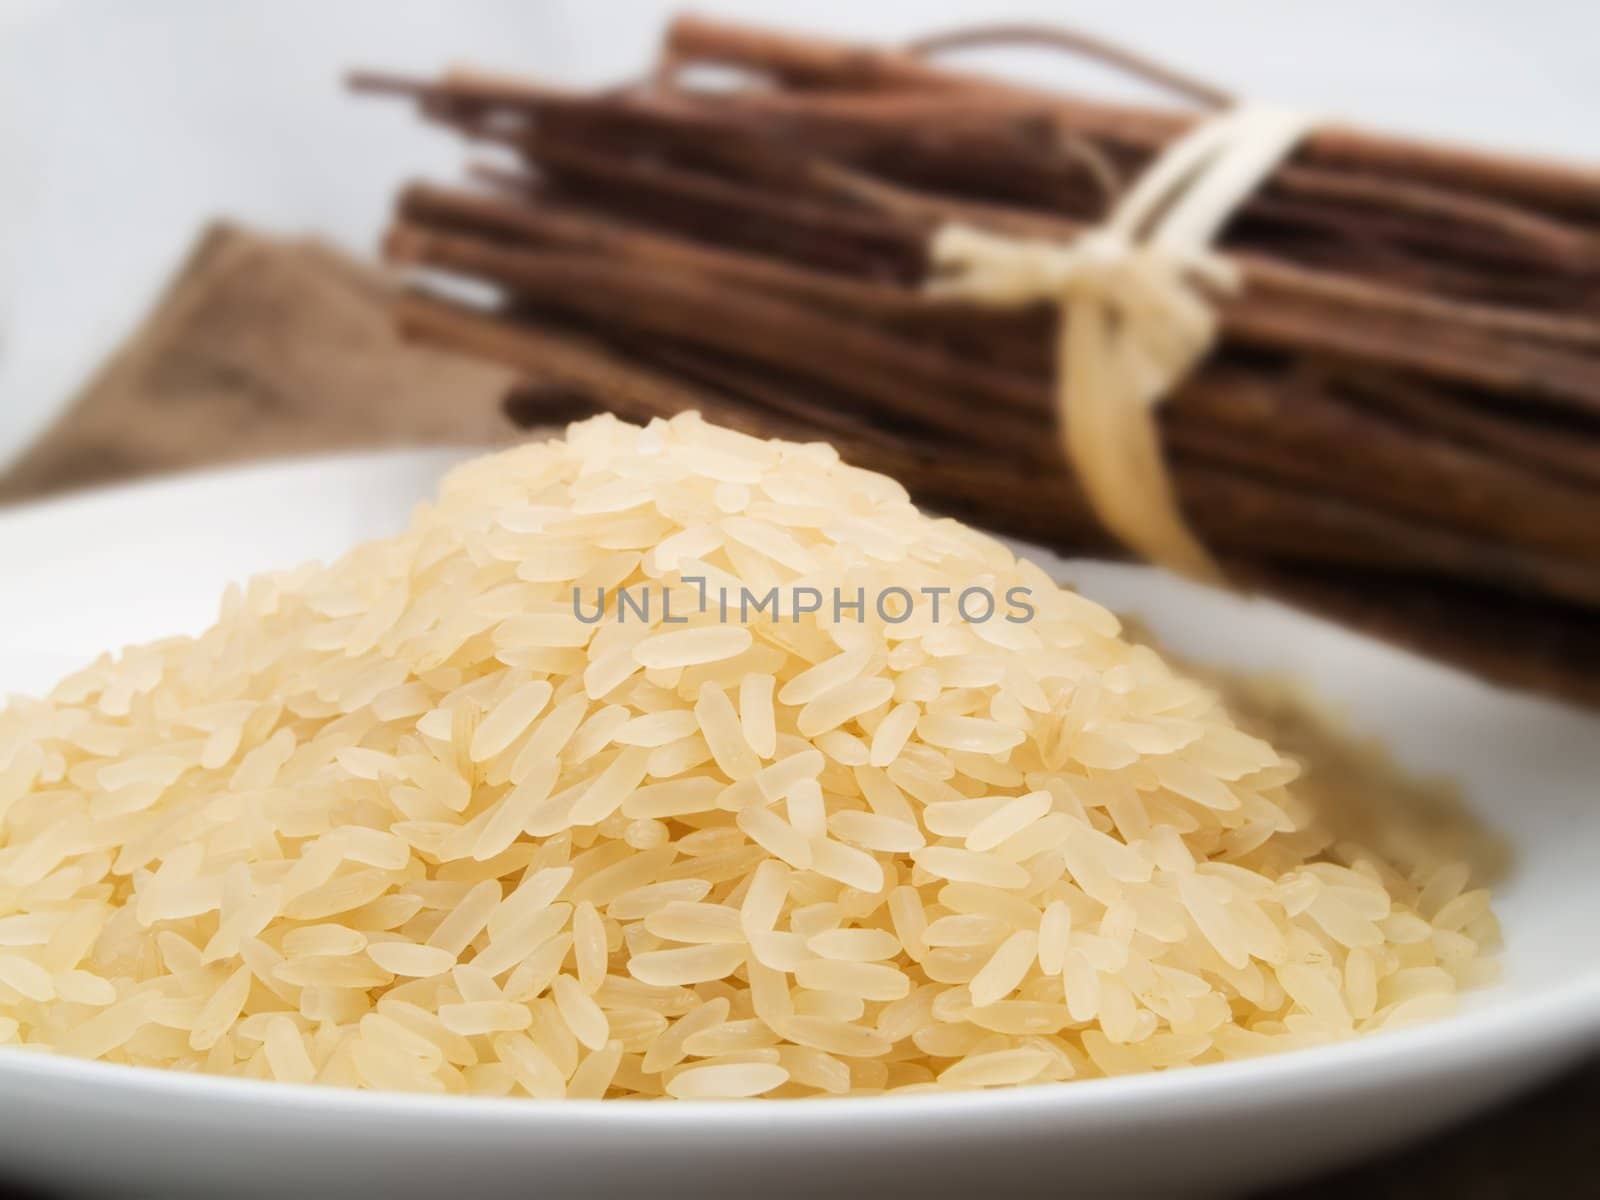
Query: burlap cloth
{"points": [[262, 347]]}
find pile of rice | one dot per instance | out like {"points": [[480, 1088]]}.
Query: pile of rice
{"points": [[408, 822]]}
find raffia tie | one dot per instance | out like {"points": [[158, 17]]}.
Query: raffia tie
{"points": [[1136, 314]]}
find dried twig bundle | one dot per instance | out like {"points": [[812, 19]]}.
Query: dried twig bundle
{"points": [[1401, 428]]}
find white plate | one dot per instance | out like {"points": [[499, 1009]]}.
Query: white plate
{"points": [[80, 575]]}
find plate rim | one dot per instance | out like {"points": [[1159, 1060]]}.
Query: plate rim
{"points": [[1568, 1016]]}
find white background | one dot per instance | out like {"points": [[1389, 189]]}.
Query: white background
{"points": [[126, 123]]}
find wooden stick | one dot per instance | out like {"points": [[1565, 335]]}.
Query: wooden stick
{"points": [[811, 62]]}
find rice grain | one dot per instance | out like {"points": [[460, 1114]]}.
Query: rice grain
{"points": [[412, 820]]}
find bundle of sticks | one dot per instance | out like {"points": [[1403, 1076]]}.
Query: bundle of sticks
{"points": [[1399, 429]]}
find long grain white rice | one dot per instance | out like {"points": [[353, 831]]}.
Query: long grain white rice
{"points": [[412, 821]]}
